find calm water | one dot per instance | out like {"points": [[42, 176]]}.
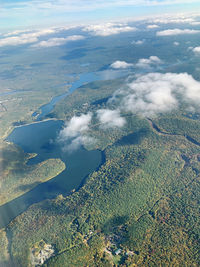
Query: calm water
{"points": [[85, 78], [40, 138]]}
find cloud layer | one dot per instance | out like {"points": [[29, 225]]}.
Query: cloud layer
{"points": [[58, 41], [49, 12], [156, 93], [108, 29], [24, 37], [171, 32]]}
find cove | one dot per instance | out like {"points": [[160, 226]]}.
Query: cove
{"points": [[40, 138]]}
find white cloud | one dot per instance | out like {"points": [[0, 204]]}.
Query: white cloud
{"points": [[176, 43], [196, 49], [58, 41], [175, 19], [138, 42], [13, 33], [24, 37], [75, 132], [121, 65], [142, 63], [156, 93], [77, 125], [148, 62], [195, 23], [42, 32], [39, 32], [28, 37], [110, 118], [170, 32], [152, 26], [17, 40], [108, 29]]}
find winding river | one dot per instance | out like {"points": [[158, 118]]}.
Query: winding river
{"points": [[84, 78]]}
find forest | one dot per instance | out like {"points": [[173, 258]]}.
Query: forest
{"points": [[140, 208]]}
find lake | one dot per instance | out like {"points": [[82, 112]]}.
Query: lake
{"points": [[40, 138]]}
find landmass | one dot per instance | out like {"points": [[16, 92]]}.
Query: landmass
{"points": [[140, 207]]}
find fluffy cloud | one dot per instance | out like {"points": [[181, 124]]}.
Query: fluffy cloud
{"points": [[142, 63], [156, 93], [110, 118], [76, 126], [121, 65], [58, 41], [138, 42], [108, 29], [177, 18], [17, 32], [176, 43], [74, 134], [152, 26], [195, 23], [170, 32], [24, 37], [148, 62], [31, 33], [18, 40], [196, 49]]}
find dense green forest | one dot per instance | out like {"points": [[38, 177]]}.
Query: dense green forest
{"points": [[141, 208], [17, 177]]}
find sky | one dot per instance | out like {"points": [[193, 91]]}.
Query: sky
{"points": [[17, 14]]}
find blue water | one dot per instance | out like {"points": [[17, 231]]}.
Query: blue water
{"points": [[41, 138]]}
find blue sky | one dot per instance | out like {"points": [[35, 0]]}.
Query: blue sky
{"points": [[16, 14]]}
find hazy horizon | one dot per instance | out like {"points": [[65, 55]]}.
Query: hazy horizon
{"points": [[23, 14]]}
